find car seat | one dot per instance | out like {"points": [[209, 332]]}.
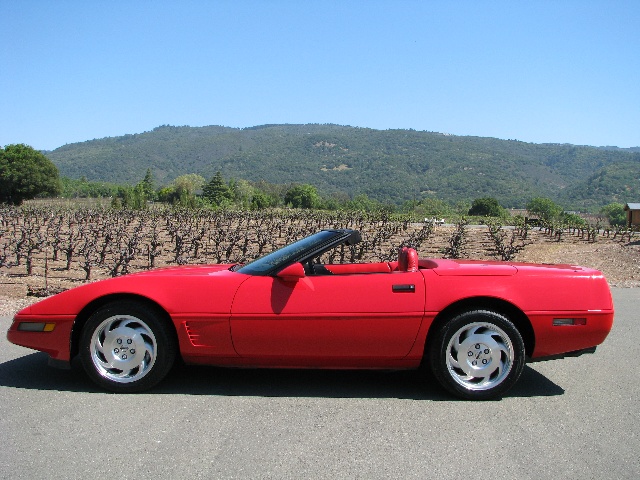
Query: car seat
{"points": [[407, 260]]}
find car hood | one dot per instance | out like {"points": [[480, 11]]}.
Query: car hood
{"points": [[184, 270], [202, 288]]}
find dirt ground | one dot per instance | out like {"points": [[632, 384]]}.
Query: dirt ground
{"points": [[619, 261]]}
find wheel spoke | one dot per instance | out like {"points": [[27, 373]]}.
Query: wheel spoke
{"points": [[107, 365], [453, 362], [149, 350], [100, 349]]}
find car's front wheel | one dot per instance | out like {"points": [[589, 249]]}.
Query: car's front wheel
{"points": [[127, 347], [477, 355]]}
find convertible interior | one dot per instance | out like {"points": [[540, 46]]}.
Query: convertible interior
{"points": [[407, 262]]}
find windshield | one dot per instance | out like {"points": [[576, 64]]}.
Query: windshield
{"points": [[285, 255]]}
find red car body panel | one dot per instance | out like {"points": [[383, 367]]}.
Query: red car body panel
{"points": [[542, 292], [362, 316], [339, 316]]}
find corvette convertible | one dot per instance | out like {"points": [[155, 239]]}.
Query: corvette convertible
{"points": [[472, 324]]}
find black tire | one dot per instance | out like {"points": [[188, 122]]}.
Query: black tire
{"points": [[127, 347], [477, 355]]}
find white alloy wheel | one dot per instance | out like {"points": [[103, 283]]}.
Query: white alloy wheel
{"points": [[123, 349], [128, 346], [477, 354]]}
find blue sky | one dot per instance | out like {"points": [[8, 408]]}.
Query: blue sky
{"points": [[537, 71]]}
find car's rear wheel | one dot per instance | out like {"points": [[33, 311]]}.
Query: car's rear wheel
{"points": [[127, 347], [477, 355]]}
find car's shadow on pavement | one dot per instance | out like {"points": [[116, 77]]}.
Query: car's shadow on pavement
{"points": [[32, 372]]}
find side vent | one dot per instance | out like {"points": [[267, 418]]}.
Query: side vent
{"points": [[194, 334]]}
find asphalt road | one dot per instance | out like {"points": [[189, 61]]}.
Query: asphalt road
{"points": [[567, 419]]}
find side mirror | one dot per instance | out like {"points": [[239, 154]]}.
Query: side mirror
{"points": [[292, 273]]}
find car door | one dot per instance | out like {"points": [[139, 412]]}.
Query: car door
{"points": [[323, 317]]}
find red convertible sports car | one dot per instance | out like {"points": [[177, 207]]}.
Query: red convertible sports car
{"points": [[474, 324]]}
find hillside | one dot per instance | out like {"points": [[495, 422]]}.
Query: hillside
{"points": [[388, 165]]}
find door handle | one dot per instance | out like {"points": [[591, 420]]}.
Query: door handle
{"points": [[403, 288]]}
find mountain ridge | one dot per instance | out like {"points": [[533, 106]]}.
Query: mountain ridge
{"points": [[387, 165]]}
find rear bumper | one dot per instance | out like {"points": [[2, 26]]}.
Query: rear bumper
{"points": [[575, 353], [552, 340]]}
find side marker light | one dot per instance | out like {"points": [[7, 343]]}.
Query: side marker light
{"points": [[36, 327], [565, 322]]}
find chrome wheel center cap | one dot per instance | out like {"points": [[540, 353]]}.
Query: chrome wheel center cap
{"points": [[478, 355], [123, 344]]}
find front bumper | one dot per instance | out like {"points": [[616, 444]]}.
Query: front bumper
{"points": [[56, 343]]}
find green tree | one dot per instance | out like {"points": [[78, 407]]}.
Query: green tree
{"points": [[182, 191], [185, 188], [188, 184], [130, 197], [242, 193], [139, 197], [217, 191], [148, 186], [544, 208], [573, 220], [363, 203], [303, 196], [167, 194], [615, 214], [432, 208], [122, 198], [26, 173], [261, 200], [81, 188], [486, 207]]}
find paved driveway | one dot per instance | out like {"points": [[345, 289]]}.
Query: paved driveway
{"points": [[573, 418]]}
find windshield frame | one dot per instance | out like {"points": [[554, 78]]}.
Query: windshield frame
{"points": [[298, 251]]}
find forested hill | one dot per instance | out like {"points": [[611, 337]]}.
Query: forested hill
{"points": [[388, 165]]}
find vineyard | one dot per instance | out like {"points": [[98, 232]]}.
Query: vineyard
{"points": [[46, 249], [105, 242]]}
